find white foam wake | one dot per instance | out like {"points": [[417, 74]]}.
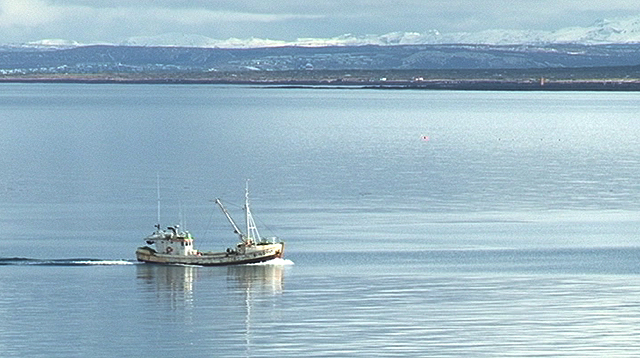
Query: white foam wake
{"points": [[276, 262], [102, 262]]}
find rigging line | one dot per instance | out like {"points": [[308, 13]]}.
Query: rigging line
{"points": [[226, 203], [209, 224], [266, 227], [254, 218]]}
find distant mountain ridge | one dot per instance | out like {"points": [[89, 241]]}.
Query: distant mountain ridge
{"points": [[146, 59], [620, 30], [614, 31], [607, 43]]}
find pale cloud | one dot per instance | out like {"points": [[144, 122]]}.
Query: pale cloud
{"points": [[85, 22], [27, 13], [192, 16]]}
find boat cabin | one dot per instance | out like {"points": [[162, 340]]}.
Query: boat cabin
{"points": [[172, 241]]}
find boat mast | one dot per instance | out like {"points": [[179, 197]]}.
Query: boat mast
{"points": [[236, 229], [158, 190], [252, 229]]}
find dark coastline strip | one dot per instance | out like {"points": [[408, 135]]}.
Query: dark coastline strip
{"points": [[453, 85], [512, 86]]}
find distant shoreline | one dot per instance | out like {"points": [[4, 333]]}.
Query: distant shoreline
{"points": [[453, 85]]}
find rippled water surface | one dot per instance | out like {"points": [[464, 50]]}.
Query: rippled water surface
{"points": [[440, 224]]}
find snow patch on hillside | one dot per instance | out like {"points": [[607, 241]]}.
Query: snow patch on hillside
{"points": [[620, 30]]}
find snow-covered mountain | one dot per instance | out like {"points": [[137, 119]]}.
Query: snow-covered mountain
{"points": [[192, 40], [623, 30], [187, 40], [53, 43], [619, 30]]}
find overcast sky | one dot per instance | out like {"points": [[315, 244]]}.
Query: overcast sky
{"points": [[89, 21]]}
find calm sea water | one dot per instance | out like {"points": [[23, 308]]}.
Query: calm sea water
{"points": [[439, 224]]}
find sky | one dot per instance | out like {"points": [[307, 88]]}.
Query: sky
{"points": [[112, 21]]}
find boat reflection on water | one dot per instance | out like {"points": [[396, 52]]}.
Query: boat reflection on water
{"points": [[213, 307], [178, 286], [261, 278], [176, 281], [265, 278]]}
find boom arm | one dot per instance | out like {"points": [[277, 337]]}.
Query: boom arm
{"points": [[233, 223]]}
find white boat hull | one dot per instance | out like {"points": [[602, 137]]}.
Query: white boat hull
{"points": [[253, 254]]}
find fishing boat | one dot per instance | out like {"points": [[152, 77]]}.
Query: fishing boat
{"points": [[173, 246]]}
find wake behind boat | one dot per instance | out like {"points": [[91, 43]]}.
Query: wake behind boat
{"points": [[173, 246]]}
